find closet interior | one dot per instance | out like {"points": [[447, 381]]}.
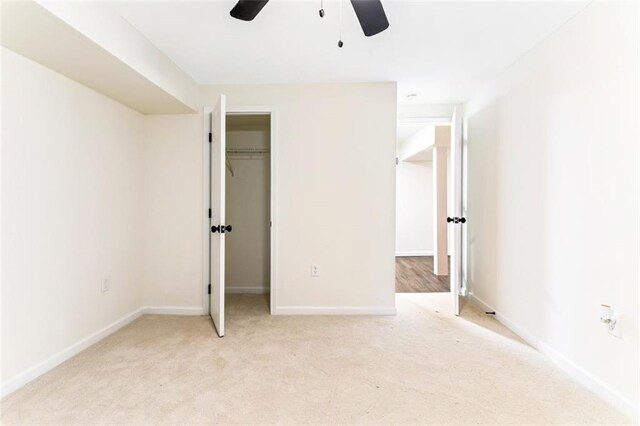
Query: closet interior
{"points": [[248, 196]]}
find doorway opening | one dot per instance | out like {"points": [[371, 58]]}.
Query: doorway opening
{"points": [[248, 203], [240, 171], [423, 197], [429, 206]]}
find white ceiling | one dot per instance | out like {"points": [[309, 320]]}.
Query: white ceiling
{"points": [[442, 51]]}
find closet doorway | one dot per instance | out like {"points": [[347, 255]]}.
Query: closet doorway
{"points": [[247, 191], [240, 170]]}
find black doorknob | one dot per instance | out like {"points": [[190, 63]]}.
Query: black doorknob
{"points": [[456, 220], [221, 229]]}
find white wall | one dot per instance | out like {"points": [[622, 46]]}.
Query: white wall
{"points": [[415, 146], [336, 181], [93, 45], [173, 213], [97, 190], [414, 208], [553, 196], [72, 213], [247, 248], [100, 23], [433, 111]]}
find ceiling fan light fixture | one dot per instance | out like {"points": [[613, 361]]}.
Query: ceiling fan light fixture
{"points": [[246, 10], [371, 15]]}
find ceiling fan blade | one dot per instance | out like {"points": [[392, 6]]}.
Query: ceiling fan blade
{"points": [[246, 10], [371, 15]]}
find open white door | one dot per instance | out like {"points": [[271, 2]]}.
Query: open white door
{"points": [[457, 221], [217, 221]]}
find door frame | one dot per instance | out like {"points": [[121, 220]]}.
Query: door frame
{"points": [[206, 196], [457, 267], [460, 170]]}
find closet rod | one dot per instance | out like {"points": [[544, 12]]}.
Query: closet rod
{"points": [[248, 151]]}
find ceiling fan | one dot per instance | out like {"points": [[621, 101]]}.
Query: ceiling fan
{"points": [[370, 13]]}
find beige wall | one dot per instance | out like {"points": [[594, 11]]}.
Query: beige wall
{"points": [[553, 196], [71, 213], [96, 190], [173, 210], [336, 181]]}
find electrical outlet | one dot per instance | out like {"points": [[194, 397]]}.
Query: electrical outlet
{"points": [[106, 285], [616, 330], [315, 270], [612, 320]]}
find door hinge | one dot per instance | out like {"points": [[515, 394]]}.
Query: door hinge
{"points": [[209, 213], [209, 289], [210, 137]]}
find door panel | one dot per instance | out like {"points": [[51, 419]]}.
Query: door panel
{"points": [[455, 274], [218, 154]]}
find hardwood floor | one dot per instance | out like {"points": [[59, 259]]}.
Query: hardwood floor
{"points": [[415, 275]]}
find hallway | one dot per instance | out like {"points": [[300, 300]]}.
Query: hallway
{"points": [[414, 274]]}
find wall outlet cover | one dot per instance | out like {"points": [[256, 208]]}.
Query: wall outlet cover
{"points": [[617, 329], [315, 270], [106, 285]]}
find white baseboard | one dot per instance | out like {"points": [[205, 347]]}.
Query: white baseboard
{"points": [[246, 290], [304, 310], [579, 374], [174, 310], [413, 253], [54, 360], [479, 303]]}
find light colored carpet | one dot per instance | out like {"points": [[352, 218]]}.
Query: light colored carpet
{"points": [[422, 366]]}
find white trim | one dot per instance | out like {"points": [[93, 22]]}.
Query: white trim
{"points": [[334, 310], [455, 232], [206, 195], [579, 374], [175, 310], [414, 253], [249, 110], [58, 358], [273, 279], [480, 304], [246, 290], [411, 121]]}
